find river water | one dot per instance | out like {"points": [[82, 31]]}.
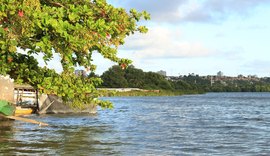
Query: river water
{"points": [[207, 124]]}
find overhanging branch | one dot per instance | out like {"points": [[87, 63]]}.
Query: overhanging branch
{"points": [[56, 4]]}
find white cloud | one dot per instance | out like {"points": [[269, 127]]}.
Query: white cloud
{"points": [[216, 10], [192, 10], [162, 42], [161, 10]]}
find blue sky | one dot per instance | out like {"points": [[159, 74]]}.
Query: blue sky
{"points": [[200, 36], [197, 36]]}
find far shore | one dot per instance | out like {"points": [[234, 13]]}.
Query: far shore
{"points": [[143, 92]]}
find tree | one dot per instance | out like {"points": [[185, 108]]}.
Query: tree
{"points": [[114, 78], [72, 29], [135, 77], [156, 81], [182, 85]]}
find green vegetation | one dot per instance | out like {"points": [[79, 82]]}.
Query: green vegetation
{"points": [[73, 30], [132, 77], [152, 84], [109, 93]]}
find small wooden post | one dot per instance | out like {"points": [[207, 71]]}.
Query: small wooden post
{"points": [[37, 100], [17, 99], [25, 120]]}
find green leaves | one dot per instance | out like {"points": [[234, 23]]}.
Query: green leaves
{"points": [[146, 15], [138, 15], [72, 30], [142, 29]]}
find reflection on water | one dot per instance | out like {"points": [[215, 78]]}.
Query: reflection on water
{"points": [[211, 124], [6, 133], [67, 135]]}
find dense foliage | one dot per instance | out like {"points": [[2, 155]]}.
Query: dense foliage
{"points": [[74, 30], [132, 77], [137, 78]]}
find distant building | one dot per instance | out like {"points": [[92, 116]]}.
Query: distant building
{"points": [[173, 78], [80, 73], [220, 74], [252, 76], [162, 72]]}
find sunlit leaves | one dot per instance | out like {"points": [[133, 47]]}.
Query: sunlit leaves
{"points": [[71, 29]]}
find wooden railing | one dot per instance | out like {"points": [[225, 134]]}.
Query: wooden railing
{"points": [[24, 94]]}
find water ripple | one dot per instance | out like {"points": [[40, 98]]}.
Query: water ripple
{"points": [[210, 124]]}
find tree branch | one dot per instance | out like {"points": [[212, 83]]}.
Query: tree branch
{"points": [[56, 4]]}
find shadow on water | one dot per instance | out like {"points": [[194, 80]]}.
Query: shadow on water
{"points": [[67, 135], [6, 132]]}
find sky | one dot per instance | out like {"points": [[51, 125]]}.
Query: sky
{"points": [[198, 36]]}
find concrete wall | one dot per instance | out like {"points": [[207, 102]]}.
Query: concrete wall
{"points": [[120, 89], [6, 89]]}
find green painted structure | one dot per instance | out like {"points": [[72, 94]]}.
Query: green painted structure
{"points": [[6, 108]]}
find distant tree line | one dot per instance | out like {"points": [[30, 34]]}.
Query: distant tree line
{"points": [[260, 85], [116, 77]]}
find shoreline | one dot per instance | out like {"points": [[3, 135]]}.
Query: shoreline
{"points": [[109, 93]]}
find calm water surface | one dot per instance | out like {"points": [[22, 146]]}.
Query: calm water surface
{"points": [[209, 124]]}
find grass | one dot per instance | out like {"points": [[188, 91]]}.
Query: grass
{"points": [[106, 93]]}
